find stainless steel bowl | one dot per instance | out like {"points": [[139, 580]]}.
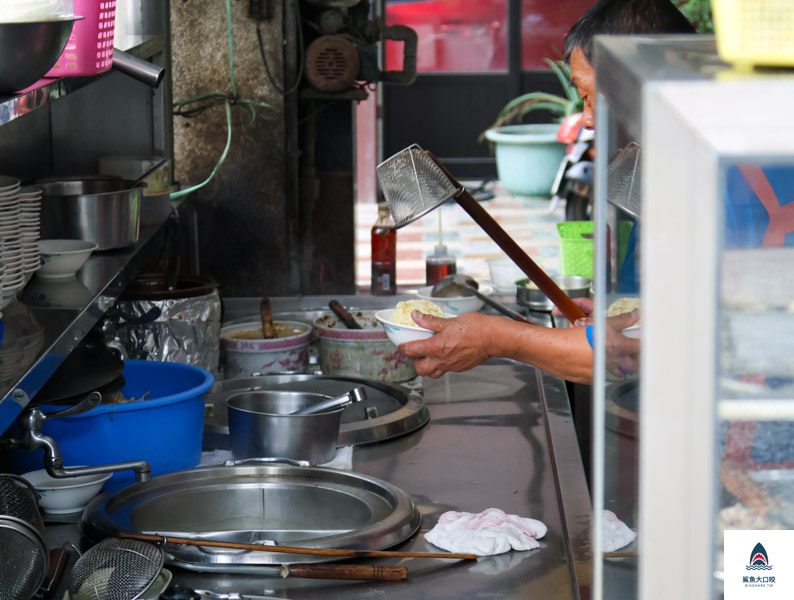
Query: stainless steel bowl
{"points": [[97, 209], [527, 294], [28, 50]]}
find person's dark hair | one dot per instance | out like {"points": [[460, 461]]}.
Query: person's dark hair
{"points": [[627, 17]]}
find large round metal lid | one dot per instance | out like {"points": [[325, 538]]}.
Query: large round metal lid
{"points": [[311, 507]]}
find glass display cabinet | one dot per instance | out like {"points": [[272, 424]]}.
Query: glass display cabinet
{"points": [[695, 217]]}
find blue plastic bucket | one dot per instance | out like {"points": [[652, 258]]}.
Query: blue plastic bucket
{"points": [[164, 425], [527, 157]]}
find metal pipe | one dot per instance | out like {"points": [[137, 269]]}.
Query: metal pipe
{"points": [[137, 68]]}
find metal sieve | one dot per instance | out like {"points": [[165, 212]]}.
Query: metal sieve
{"points": [[23, 554], [115, 569], [414, 182], [624, 181]]}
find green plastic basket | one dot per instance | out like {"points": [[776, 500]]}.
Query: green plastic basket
{"points": [[576, 251]]}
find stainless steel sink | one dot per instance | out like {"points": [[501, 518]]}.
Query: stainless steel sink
{"points": [[310, 507]]}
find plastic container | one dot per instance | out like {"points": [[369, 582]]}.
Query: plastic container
{"points": [[439, 264], [90, 47], [576, 250], [755, 32], [163, 426]]}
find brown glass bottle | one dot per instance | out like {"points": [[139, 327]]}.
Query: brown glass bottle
{"points": [[384, 253]]}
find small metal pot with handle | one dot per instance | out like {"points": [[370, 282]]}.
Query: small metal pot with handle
{"points": [[267, 424]]}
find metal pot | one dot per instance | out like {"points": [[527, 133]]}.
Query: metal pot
{"points": [[527, 294], [104, 210], [261, 426]]}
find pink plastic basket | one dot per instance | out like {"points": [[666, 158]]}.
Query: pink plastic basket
{"points": [[90, 47]]}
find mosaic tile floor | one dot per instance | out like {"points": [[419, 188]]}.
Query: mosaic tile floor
{"points": [[527, 220]]}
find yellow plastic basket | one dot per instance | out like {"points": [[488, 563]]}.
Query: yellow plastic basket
{"points": [[755, 32]]}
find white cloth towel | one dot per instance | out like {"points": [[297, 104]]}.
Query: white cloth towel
{"points": [[616, 534], [484, 534]]}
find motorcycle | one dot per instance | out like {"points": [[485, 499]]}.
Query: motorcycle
{"points": [[574, 180]]}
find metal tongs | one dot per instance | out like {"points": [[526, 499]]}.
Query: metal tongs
{"points": [[414, 183]]}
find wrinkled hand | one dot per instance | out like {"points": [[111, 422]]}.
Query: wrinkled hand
{"points": [[460, 343], [586, 304], [623, 353]]}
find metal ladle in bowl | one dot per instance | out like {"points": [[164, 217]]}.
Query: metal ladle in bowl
{"points": [[459, 284], [358, 394]]}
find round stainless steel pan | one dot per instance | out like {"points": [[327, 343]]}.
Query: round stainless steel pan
{"points": [[310, 507]]}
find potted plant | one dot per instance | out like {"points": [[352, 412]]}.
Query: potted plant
{"points": [[528, 155]]}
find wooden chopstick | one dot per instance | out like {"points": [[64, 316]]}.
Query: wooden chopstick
{"points": [[157, 538]]}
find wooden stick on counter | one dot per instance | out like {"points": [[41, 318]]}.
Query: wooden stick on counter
{"points": [[162, 539], [327, 571]]}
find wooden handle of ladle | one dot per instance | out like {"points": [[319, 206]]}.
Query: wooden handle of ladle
{"points": [[265, 309], [546, 284], [339, 552], [326, 571]]}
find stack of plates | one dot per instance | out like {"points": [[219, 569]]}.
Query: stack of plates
{"points": [[30, 229], [20, 224], [22, 342]]}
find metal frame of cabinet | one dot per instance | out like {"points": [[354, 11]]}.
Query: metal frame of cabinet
{"points": [[693, 117], [62, 128]]}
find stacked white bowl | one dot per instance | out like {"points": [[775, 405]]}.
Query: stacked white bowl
{"points": [[20, 224], [30, 229]]}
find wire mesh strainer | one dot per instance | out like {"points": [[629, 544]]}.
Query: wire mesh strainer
{"points": [[115, 569], [413, 185], [414, 182], [624, 181], [23, 554]]}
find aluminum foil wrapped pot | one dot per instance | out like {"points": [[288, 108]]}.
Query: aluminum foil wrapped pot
{"points": [[151, 322], [365, 352]]}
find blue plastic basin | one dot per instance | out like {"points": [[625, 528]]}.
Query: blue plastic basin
{"points": [[165, 428]]}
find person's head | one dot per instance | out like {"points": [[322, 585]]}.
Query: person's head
{"points": [[614, 17]]}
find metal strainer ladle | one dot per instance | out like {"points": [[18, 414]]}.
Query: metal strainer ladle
{"points": [[23, 553], [115, 569], [414, 182]]}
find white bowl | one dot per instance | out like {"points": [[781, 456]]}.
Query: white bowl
{"points": [[504, 274], [63, 258], [456, 305], [399, 333], [60, 496]]}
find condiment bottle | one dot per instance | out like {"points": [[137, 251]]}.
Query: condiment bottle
{"points": [[439, 264], [384, 253]]}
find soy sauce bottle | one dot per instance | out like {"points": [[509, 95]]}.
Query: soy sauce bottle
{"points": [[384, 253], [439, 264]]}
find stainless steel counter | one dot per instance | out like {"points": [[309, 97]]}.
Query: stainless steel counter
{"points": [[500, 435]]}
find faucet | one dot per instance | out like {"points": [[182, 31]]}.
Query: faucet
{"points": [[31, 438]]}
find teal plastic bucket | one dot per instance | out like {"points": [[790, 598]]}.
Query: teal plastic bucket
{"points": [[527, 157]]}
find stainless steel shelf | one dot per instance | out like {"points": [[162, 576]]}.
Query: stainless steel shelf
{"points": [[46, 91], [50, 319]]}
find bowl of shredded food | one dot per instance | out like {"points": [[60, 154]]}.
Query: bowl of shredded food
{"points": [[400, 326]]}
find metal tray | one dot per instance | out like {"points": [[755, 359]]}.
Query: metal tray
{"points": [[311, 507], [391, 410]]}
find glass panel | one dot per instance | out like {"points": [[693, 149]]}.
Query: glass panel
{"points": [[455, 36], [621, 285], [756, 407], [543, 28]]}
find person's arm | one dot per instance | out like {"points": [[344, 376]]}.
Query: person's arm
{"points": [[464, 342]]}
